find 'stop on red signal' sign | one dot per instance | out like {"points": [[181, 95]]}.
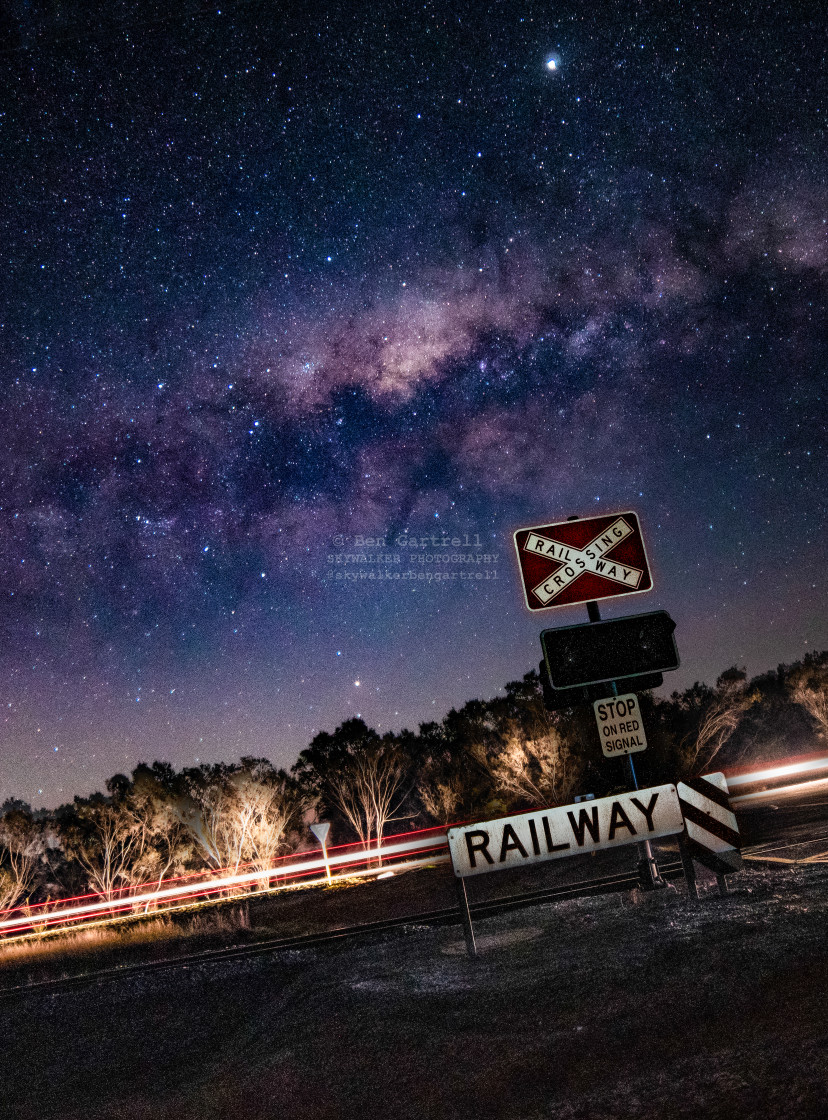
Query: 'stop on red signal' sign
{"points": [[579, 561]]}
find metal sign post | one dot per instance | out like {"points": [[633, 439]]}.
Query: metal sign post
{"points": [[647, 866], [465, 917], [320, 830], [582, 560]]}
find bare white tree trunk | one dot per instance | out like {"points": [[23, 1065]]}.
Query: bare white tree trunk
{"points": [[22, 844], [368, 792], [111, 854], [245, 819], [815, 702]]}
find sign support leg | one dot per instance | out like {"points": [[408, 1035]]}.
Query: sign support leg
{"points": [[689, 870], [465, 917], [648, 871], [722, 881], [647, 866]]}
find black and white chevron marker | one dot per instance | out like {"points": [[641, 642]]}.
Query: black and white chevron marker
{"points": [[712, 832]]}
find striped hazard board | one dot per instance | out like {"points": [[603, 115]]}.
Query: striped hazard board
{"points": [[712, 832]]}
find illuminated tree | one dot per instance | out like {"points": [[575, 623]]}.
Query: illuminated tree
{"points": [[523, 749], [21, 847], [541, 770], [809, 688], [167, 842], [358, 776], [442, 798], [269, 806], [242, 814], [106, 839], [369, 789], [719, 718]]}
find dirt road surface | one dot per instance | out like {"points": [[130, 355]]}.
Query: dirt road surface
{"points": [[637, 1006]]}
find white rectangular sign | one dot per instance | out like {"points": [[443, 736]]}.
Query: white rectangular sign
{"points": [[609, 822], [620, 725]]}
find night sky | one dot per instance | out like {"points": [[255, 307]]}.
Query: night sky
{"points": [[276, 277]]}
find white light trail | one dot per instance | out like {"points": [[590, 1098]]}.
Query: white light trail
{"points": [[202, 888], [784, 771], [211, 886], [778, 792]]}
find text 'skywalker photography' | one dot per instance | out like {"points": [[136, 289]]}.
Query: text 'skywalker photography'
{"points": [[445, 559]]}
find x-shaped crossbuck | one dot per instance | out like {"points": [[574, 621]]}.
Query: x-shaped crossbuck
{"points": [[574, 562]]}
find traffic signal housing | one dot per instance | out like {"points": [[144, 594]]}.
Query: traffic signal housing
{"points": [[592, 653], [561, 699]]}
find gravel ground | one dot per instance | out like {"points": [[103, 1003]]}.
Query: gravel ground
{"points": [[641, 1006]]}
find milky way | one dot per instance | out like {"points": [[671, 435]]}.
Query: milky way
{"points": [[278, 281]]}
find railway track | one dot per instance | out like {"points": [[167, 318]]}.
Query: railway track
{"points": [[762, 831], [446, 916]]}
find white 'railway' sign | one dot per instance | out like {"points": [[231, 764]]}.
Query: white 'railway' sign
{"points": [[509, 842]]}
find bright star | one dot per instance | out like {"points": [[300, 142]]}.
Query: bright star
{"points": [[552, 62]]}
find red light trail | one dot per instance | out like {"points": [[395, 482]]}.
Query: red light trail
{"points": [[429, 845]]}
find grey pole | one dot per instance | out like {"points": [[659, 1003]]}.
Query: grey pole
{"points": [[647, 866], [320, 830], [689, 870], [465, 916]]}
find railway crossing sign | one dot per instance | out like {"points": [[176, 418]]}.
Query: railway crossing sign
{"points": [[582, 561], [619, 725]]}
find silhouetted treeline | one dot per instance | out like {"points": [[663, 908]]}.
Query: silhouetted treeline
{"points": [[485, 759]]}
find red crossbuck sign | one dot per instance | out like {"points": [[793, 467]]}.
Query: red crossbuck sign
{"points": [[579, 561]]}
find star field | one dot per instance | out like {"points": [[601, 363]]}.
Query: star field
{"points": [[278, 278]]}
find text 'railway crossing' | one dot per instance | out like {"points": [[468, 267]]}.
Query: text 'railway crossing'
{"points": [[583, 560]]}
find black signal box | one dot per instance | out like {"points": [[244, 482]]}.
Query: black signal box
{"points": [[560, 699], [593, 653]]}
